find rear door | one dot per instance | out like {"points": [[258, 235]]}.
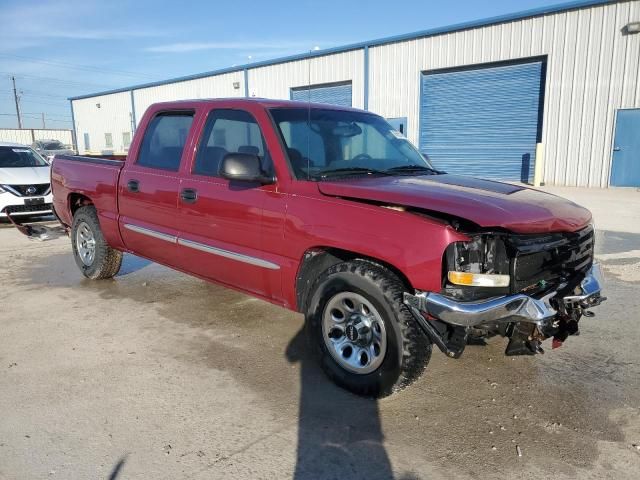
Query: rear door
{"points": [[148, 189], [223, 232]]}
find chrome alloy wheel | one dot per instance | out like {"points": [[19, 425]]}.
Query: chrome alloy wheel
{"points": [[85, 244], [354, 333]]}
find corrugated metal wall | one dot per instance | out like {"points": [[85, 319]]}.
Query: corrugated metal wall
{"points": [[276, 81], [592, 69], [113, 116], [27, 136], [220, 86]]}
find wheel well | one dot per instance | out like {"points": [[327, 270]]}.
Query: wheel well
{"points": [[316, 260], [77, 200]]}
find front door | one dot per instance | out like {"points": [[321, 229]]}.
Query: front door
{"points": [[625, 166], [222, 222], [148, 189]]}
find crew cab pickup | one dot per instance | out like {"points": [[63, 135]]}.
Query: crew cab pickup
{"points": [[330, 212]]}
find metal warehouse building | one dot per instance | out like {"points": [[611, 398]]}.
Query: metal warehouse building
{"points": [[558, 86]]}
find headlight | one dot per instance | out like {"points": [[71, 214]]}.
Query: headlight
{"points": [[478, 279], [481, 262]]}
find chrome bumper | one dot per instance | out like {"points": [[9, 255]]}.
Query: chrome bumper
{"points": [[511, 308]]}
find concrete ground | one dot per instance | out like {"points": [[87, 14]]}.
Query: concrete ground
{"points": [[159, 375]]}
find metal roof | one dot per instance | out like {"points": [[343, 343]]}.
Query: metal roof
{"points": [[535, 12]]}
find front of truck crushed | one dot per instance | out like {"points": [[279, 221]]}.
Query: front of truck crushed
{"points": [[527, 287]]}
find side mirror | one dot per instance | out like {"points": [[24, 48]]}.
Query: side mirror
{"points": [[243, 167]]}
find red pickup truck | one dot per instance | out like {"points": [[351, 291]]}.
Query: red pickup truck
{"points": [[330, 212]]}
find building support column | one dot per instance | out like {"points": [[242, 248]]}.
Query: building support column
{"points": [[366, 77], [74, 136], [133, 113]]}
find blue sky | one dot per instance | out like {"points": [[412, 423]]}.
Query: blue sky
{"points": [[58, 49]]}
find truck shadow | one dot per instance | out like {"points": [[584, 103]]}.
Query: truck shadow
{"points": [[339, 435], [131, 264]]}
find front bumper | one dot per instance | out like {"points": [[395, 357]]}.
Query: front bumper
{"points": [[525, 320], [510, 308], [19, 206]]}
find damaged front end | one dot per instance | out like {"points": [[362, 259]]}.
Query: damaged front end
{"points": [[524, 287]]}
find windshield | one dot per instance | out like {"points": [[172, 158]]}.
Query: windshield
{"points": [[17, 157], [329, 143]]}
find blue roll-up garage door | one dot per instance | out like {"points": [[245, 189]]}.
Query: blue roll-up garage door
{"points": [[484, 121], [336, 94]]}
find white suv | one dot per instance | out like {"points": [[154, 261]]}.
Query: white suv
{"points": [[25, 187]]}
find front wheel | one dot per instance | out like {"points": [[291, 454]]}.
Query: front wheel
{"points": [[94, 257], [365, 337]]}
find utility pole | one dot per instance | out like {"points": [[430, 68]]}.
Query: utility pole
{"points": [[44, 125], [16, 98]]}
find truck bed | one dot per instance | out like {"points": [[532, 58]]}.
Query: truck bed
{"points": [[75, 177]]}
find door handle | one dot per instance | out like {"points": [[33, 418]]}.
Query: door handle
{"points": [[616, 149], [133, 186], [189, 195]]}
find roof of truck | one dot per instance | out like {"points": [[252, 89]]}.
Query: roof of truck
{"points": [[264, 102]]}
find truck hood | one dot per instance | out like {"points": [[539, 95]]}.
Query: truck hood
{"points": [[24, 175], [483, 202]]}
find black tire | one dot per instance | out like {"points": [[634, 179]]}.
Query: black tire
{"points": [[106, 261], [408, 350]]}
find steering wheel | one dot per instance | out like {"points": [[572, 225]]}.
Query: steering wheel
{"points": [[362, 156]]}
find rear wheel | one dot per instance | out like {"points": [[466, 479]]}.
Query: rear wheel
{"points": [[365, 337], [94, 257]]}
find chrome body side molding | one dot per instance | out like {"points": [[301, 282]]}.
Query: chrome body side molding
{"points": [[151, 233], [258, 262]]}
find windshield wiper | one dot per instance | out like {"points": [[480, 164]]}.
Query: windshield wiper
{"points": [[352, 170], [413, 169]]}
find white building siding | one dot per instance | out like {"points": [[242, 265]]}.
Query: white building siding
{"points": [[276, 81], [113, 116], [592, 70], [219, 86]]}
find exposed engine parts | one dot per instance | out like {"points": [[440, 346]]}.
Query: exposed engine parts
{"points": [[526, 321]]}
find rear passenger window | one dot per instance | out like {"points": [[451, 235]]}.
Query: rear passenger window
{"points": [[230, 131], [164, 141]]}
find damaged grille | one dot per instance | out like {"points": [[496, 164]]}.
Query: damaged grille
{"points": [[548, 260], [37, 190]]}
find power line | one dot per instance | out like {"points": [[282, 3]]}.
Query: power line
{"points": [[75, 66], [27, 93], [72, 83], [37, 101], [35, 93]]}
